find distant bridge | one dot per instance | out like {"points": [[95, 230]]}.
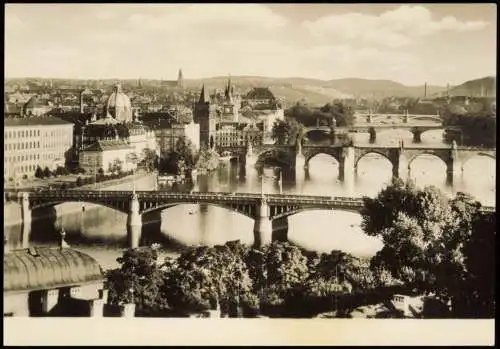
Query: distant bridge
{"points": [[264, 209], [348, 156], [416, 124]]}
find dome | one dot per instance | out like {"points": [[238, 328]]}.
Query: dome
{"points": [[119, 106], [48, 268]]}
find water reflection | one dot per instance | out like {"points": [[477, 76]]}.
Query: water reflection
{"points": [[101, 232]]}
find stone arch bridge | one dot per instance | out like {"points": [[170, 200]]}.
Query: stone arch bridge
{"points": [[348, 156]]}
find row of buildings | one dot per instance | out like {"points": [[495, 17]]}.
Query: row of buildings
{"points": [[119, 136]]}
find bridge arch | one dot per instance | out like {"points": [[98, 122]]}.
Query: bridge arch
{"points": [[444, 159], [308, 209], [247, 210], [466, 158], [120, 206], [373, 151], [310, 155]]}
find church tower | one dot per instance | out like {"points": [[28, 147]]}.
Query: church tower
{"points": [[204, 115], [180, 79], [231, 104]]}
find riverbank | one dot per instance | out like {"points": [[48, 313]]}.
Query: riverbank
{"points": [[143, 181]]}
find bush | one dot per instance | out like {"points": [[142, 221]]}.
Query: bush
{"points": [[79, 181], [47, 173], [64, 186], [39, 173]]}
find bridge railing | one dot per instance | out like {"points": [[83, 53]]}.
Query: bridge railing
{"points": [[273, 198]]}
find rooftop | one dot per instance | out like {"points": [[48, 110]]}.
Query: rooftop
{"points": [[42, 121], [108, 144], [260, 93], [48, 268]]}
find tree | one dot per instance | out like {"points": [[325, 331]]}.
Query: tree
{"points": [[79, 181], [208, 160], [479, 253], [39, 173], [60, 171], [139, 271], [478, 128], [343, 115], [205, 275], [423, 233], [277, 270], [47, 173], [287, 131], [150, 159]]}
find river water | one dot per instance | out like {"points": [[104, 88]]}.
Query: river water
{"points": [[101, 232]]}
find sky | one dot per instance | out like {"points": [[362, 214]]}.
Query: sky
{"points": [[411, 44]]}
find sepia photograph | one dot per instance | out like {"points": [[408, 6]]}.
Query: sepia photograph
{"points": [[249, 173]]}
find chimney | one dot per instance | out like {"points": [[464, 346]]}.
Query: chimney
{"points": [[81, 102], [425, 90]]}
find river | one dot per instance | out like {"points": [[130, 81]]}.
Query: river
{"points": [[101, 232]]}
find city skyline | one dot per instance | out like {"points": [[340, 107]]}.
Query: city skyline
{"points": [[410, 44]]}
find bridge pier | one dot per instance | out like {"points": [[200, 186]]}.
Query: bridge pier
{"points": [[417, 136], [400, 169], [263, 226], [134, 223], [453, 172], [280, 229], [347, 165], [300, 166], [373, 135], [26, 217]]}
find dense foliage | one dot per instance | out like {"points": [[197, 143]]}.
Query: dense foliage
{"points": [[208, 160], [179, 159], [432, 244], [287, 131], [324, 116], [477, 128], [428, 238]]}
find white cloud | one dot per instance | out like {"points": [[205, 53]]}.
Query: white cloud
{"points": [[395, 28], [214, 19]]}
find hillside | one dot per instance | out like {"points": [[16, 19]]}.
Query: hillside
{"points": [[320, 92], [486, 87], [316, 91]]}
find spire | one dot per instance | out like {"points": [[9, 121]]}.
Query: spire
{"points": [[229, 90], [180, 79], [204, 97]]}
